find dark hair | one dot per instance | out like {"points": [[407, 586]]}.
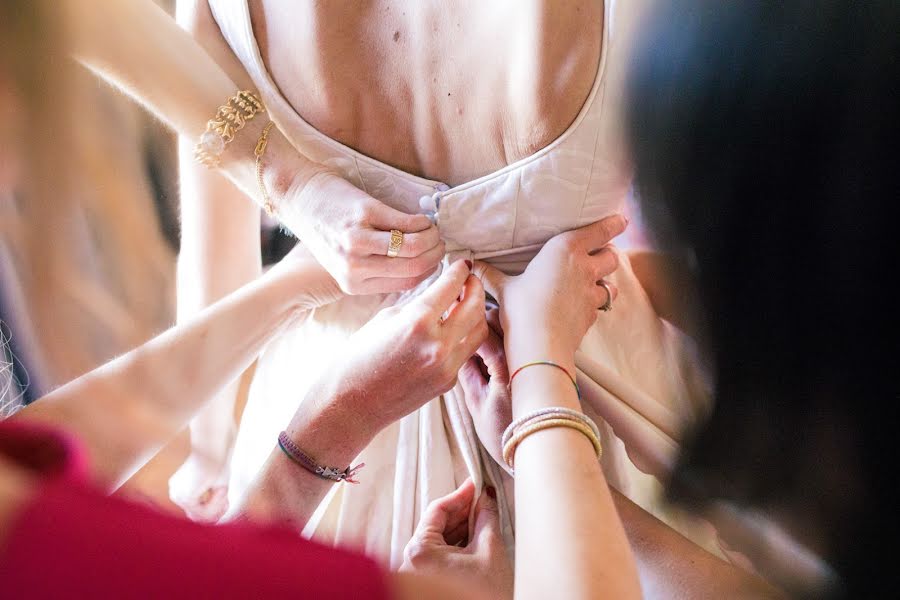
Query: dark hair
{"points": [[764, 135]]}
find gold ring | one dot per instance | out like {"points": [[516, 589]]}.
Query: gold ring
{"points": [[396, 243], [608, 305]]}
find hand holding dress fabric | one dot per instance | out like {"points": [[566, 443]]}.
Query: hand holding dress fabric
{"points": [[349, 232], [405, 356], [408, 354], [554, 302], [485, 382], [443, 543]]}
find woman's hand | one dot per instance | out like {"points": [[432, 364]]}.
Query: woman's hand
{"points": [[550, 306], [441, 543], [485, 382], [349, 232], [402, 358]]}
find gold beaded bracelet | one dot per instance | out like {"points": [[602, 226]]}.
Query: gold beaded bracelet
{"points": [[509, 449], [221, 129]]}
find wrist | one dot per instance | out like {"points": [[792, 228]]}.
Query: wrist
{"points": [[528, 344], [327, 429], [286, 172], [285, 287], [540, 386], [543, 386]]}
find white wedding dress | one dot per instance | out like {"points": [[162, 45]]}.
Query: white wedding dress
{"points": [[634, 369]]}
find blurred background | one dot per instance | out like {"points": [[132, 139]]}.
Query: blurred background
{"points": [[119, 239]]}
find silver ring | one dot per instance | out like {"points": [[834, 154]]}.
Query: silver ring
{"points": [[608, 305]]}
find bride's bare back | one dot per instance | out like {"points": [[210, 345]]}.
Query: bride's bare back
{"points": [[446, 89]]}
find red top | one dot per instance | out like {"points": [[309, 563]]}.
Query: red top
{"points": [[70, 540]]}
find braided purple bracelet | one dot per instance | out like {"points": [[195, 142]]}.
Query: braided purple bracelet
{"points": [[297, 455]]}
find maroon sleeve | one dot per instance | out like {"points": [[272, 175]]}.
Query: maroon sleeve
{"points": [[72, 541]]}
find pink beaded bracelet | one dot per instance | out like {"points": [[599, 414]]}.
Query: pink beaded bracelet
{"points": [[297, 455]]}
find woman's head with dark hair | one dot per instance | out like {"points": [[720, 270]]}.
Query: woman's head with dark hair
{"points": [[764, 137]]}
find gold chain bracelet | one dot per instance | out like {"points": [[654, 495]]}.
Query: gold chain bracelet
{"points": [[221, 129], [258, 152]]}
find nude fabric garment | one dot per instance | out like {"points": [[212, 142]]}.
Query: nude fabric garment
{"points": [[633, 367]]}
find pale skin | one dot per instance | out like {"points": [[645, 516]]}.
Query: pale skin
{"points": [[570, 542], [220, 241], [562, 500], [565, 476], [220, 224], [392, 342], [125, 411], [457, 110]]}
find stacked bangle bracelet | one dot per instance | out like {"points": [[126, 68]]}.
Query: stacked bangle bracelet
{"points": [[547, 418]]}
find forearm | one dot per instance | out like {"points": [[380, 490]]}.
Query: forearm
{"points": [[668, 285], [168, 72], [220, 247], [178, 81], [569, 541], [219, 253], [127, 409], [670, 565], [329, 432]]}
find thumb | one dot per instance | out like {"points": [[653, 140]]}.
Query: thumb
{"points": [[493, 355], [441, 294], [492, 279], [446, 512], [486, 532], [473, 383]]}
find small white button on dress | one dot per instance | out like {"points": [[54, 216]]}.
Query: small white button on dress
{"points": [[431, 205]]}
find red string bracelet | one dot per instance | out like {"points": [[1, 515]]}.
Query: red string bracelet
{"points": [[549, 364]]}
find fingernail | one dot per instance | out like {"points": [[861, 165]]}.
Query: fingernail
{"points": [[469, 264], [491, 492]]}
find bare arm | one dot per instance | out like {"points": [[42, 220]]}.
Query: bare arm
{"points": [[345, 229], [669, 285], [220, 252], [569, 540], [177, 79], [566, 519], [127, 409], [402, 358], [671, 566]]}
